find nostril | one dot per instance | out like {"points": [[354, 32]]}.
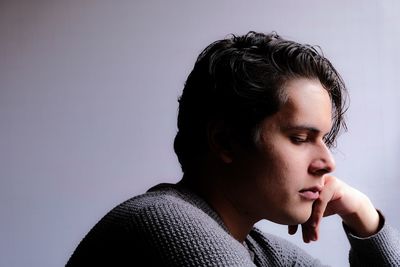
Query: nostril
{"points": [[320, 167], [323, 171]]}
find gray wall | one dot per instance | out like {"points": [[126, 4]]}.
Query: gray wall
{"points": [[88, 105]]}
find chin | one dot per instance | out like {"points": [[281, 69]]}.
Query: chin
{"points": [[304, 216], [292, 218], [292, 215], [299, 216]]}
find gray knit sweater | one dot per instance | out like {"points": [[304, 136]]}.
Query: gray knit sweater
{"points": [[171, 226]]}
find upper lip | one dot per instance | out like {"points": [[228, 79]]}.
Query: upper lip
{"points": [[316, 188]]}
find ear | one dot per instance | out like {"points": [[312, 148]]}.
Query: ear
{"points": [[219, 140]]}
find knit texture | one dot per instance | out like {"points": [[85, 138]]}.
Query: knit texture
{"points": [[171, 226], [385, 247]]}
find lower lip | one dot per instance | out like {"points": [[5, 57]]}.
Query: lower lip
{"points": [[309, 195]]}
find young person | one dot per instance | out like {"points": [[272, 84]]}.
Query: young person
{"points": [[257, 117]]}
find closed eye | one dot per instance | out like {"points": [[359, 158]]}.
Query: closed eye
{"points": [[299, 139]]}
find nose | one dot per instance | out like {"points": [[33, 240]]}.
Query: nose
{"points": [[323, 163]]}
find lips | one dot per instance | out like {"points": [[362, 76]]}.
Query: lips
{"points": [[311, 193]]}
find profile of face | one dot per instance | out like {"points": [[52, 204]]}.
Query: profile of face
{"points": [[280, 180]]}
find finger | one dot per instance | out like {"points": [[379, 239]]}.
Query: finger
{"points": [[320, 205], [310, 228], [309, 233], [292, 229], [332, 208]]}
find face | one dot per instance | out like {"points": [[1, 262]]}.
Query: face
{"points": [[281, 179]]}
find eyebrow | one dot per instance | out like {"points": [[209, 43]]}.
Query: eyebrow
{"points": [[307, 128]]}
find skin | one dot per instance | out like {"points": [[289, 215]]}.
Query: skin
{"points": [[245, 186]]}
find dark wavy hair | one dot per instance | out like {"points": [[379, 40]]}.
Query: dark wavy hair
{"points": [[240, 80]]}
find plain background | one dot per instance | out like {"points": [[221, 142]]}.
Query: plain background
{"points": [[88, 105]]}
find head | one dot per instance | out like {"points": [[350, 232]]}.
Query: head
{"points": [[238, 82], [256, 119]]}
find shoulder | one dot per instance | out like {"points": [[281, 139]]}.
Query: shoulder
{"points": [[174, 225], [162, 205], [174, 212]]}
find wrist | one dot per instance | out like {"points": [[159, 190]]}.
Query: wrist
{"points": [[364, 222]]}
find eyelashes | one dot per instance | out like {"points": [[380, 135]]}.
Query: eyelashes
{"points": [[299, 139], [304, 139]]}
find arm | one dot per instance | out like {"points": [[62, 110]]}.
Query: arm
{"points": [[381, 249], [369, 237]]}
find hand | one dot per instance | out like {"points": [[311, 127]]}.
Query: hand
{"points": [[355, 209]]}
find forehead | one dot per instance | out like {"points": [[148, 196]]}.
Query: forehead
{"points": [[308, 104]]}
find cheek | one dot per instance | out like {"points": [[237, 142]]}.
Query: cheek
{"points": [[297, 164], [287, 166], [273, 172], [280, 162], [294, 157]]}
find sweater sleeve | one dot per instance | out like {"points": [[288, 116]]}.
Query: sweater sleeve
{"points": [[381, 249]]}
